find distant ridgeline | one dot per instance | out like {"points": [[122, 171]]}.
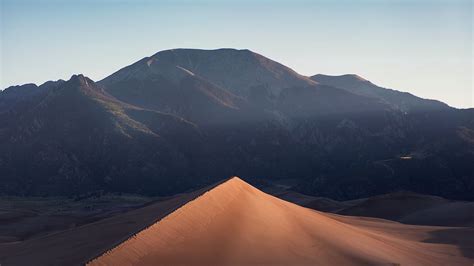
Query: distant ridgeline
{"points": [[184, 118]]}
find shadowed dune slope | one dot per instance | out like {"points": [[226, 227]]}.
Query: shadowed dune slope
{"points": [[79, 245], [403, 206], [412, 208], [236, 224]]}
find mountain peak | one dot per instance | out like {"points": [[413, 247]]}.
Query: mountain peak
{"points": [[81, 86], [239, 71], [197, 50], [81, 82], [81, 79]]}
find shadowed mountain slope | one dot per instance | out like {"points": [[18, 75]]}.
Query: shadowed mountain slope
{"points": [[184, 118], [68, 142], [403, 101]]}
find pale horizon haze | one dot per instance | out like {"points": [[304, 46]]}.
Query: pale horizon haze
{"points": [[422, 47]]}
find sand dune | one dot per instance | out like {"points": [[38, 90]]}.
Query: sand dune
{"points": [[315, 203], [449, 214], [403, 206], [412, 208], [236, 224], [78, 245]]}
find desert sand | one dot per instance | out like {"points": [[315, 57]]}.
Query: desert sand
{"points": [[403, 206], [78, 245], [237, 224]]}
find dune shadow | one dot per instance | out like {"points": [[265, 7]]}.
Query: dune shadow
{"points": [[462, 237]]}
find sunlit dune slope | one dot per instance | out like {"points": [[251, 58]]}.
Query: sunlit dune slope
{"points": [[237, 224], [80, 244]]}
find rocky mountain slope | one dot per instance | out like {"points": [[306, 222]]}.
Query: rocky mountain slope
{"points": [[184, 118], [77, 138], [403, 101]]}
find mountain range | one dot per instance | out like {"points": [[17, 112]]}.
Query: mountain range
{"points": [[184, 118]]}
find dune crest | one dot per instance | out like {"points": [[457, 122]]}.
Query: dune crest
{"points": [[237, 224]]}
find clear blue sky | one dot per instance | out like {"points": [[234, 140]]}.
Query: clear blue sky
{"points": [[424, 46]]}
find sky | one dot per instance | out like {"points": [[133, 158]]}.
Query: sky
{"points": [[421, 46]]}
